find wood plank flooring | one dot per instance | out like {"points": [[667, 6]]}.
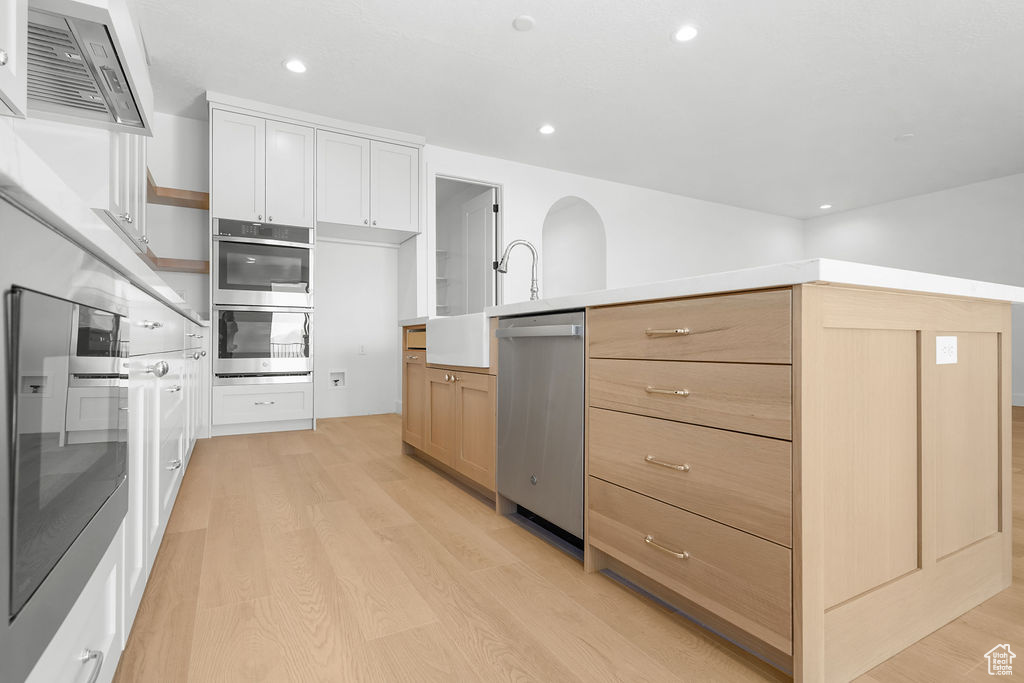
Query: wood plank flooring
{"points": [[330, 556]]}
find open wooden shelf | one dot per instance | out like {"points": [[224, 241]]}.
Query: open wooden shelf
{"points": [[174, 265], [168, 196]]}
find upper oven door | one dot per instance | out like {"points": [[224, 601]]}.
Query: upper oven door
{"points": [[261, 341], [254, 274]]}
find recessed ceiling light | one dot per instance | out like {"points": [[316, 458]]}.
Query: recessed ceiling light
{"points": [[546, 129], [524, 22], [825, 207], [295, 66], [685, 33]]}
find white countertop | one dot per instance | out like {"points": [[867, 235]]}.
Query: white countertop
{"points": [[778, 275], [422, 320], [28, 181]]}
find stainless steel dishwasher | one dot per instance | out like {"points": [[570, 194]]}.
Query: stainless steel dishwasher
{"points": [[540, 416]]}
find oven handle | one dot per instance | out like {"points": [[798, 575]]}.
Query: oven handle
{"points": [[257, 240]]}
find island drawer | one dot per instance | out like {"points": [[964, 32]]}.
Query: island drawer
{"points": [[737, 479], [741, 578], [752, 327], [743, 397]]}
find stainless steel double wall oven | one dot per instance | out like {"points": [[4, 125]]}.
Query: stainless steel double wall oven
{"points": [[263, 299]]}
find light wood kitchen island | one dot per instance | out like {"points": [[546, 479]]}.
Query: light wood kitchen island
{"points": [[819, 471]]}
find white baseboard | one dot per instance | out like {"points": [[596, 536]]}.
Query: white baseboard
{"points": [[262, 427]]}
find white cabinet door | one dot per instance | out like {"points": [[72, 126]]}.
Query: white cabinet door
{"points": [[13, 57], [394, 186], [289, 174], [238, 182], [342, 179], [141, 442]]}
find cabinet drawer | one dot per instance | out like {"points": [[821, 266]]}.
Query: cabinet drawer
{"points": [[242, 404], [742, 397], [739, 577], [417, 356], [94, 623], [749, 328], [155, 328], [740, 480], [416, 338]]}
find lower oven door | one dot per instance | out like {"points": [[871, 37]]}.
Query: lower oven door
{"points": [[262, 340], [247, 273]]}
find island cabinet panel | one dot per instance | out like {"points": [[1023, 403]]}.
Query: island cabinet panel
{"points": [[752, 328], [414, 399], [961, 402], [441, 435], [740, 480], [871, 519], [756, 399], [476, 420], [902, 518]]}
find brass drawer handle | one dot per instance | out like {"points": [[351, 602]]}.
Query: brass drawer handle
{"points": [[685, 467], [649, 540], [676, 332], [671, 392], [412, 357]]}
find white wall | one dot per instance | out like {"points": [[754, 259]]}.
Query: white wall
{"points": [[651, 235], [974, 231], [355, 328]]}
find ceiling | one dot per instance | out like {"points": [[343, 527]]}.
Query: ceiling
{"points": [[775, 106]]}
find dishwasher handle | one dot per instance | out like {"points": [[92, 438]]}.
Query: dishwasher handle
{"points": [[539, 331]]}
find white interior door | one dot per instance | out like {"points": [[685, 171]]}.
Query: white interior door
{"points": [[342, 179], [478, 227], [394, 186], [290, 166], [238, 182]]}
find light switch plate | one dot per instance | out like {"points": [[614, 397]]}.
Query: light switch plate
{"points": [[945, 350]]}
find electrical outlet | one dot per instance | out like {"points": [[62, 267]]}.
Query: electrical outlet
{"points": [[945, 350]]}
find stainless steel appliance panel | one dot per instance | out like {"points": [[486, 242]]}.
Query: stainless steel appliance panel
{"points": [[262, 340], [540, 415], [38, 258], [265, 233], [248, 273]]}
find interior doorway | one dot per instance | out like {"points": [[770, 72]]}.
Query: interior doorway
{"points": [[467, 222]]}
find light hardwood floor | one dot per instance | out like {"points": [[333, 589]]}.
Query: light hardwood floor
{"points": [[330, 556]]}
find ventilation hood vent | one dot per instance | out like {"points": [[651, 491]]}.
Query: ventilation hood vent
{"points": [[76, 73]]}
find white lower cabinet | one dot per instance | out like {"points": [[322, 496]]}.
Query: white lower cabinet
{"points": [[262, 403], [90, 640]]}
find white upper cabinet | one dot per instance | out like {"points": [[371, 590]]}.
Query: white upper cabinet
{"points": [[262, 170], [238, 182], [13, 57], [289, 174], [394, 186], [343, 179]]}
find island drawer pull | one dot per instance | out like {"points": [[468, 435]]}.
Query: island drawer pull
{"points": [[673, 332], [671, 392], [685, 467], [649, 540]]}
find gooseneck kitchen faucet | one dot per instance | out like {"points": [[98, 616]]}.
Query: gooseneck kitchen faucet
{"points": [[502, 266]]}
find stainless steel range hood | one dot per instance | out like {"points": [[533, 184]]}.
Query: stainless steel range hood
{"points": [[78, 66]]}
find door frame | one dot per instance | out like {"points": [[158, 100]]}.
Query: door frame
{"points": [[499, 228]]}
